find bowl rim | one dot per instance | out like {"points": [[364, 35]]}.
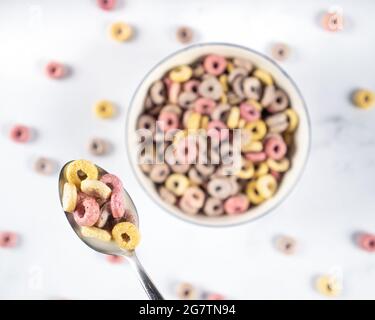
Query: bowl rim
{"points": [[304, 107]]}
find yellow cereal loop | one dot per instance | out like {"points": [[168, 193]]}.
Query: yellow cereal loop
{"points": [[292, 119], [233, 118], [204, 122], [69, 198], [80, 169], [258, 129], [104, 109], [278, 165], [241, 123], [126, 235], [194, 120], [177, 183], [96, 189], [252, 146], [93, 232], [364, 99], [328, 286], [263, 76], [252, 193], [181, 73], [121, 31], [266, 186], [261, 169], [230, 67], [256, 104], [288, 138], [224, 99], [223, 79], [247, 171], [179, 136]]}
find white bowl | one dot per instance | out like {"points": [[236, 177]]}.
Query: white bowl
{"points": [[302, 135]]}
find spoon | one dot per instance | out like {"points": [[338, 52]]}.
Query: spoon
{"points": [[111, 247]]}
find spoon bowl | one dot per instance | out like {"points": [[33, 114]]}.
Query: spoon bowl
{"points": [[111, 248]]}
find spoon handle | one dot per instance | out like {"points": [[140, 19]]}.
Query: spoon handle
{"points": [[152, 292]]}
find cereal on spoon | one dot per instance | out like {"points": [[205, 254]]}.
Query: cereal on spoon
{"points": [[97, 202]]}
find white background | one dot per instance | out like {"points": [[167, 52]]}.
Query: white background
{"points": [[334, 199]]}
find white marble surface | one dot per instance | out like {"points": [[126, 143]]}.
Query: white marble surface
{"points": [[334, 199]]}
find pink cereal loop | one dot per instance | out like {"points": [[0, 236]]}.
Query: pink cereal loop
{"points": [[366, 242], [275, 148], [236, 204], [20, 134], [215, 64], [215, 296], [256, 157], [168, 121], [204, 106], [87, 211], [249, 112], [112, 181], [276, 175], [218, 130], [106, 4], [191, 86], [8, 239], [168, 82], [55, 70], [333, 22], [186, 151], [117, 203], [114, 259]]}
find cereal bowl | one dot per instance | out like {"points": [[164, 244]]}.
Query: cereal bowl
{"points": [[301, 144]]}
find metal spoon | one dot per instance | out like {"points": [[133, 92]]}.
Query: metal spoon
{"points": [[110, 247]]}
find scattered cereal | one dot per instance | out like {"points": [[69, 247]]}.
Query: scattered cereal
{"points": [[185, 291], [286, 245], [184, 34], [104, 109], [106, 4], [121, 31], [20, 134], [8, 239], [333, 20], [114, 259], [328, 285], [45, 166], [364, 99], [366, 241], [280, 51], [98, 147], [55, 70]]}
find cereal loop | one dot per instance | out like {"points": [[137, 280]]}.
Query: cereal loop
{"points": [[367, 242], [69, 198], [236, 204], [364, 99], [87, 211], [93, 232], [8, 239], [126, 235], [181, 74], [80, 168], [106, 4], [20, 134], [214, 64], [121, 31], [55, 70], [104, 109]]}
